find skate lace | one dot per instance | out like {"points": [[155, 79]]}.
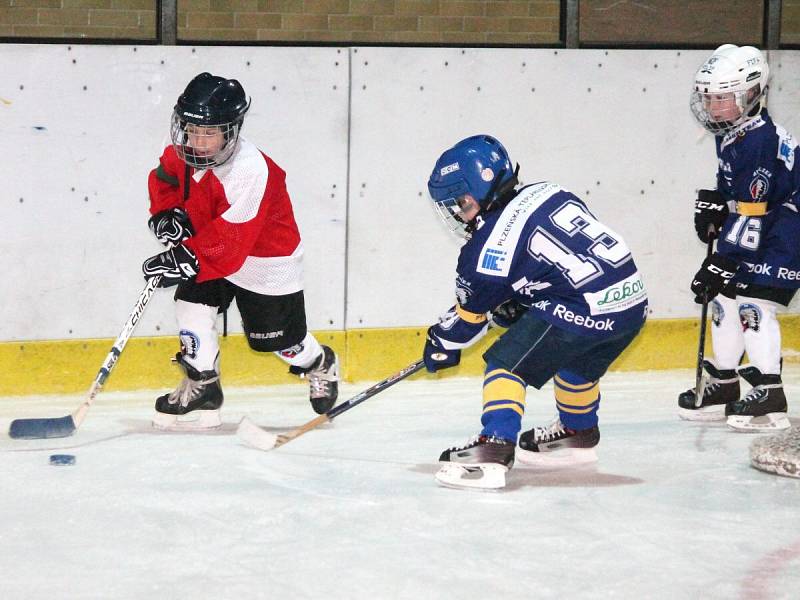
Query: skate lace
{"points": [[321, 379], [470, 442], [550, 433], [188, 390], [710, 388], [754, 395]]}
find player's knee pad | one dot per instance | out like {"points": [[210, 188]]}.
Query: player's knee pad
{"points": [[577, 400], [726, 332], [503, 403], [302, 354], [762, 334], [198, 334]]}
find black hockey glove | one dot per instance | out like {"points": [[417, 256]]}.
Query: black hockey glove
{"points": [[171, 226], [714, 274], [508, 313], [174, 266], [436, 357], [710, 211]]}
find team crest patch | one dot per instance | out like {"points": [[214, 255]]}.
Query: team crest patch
{"points": [[189, 343], [759, 186], [750, 316], [717, 313]]}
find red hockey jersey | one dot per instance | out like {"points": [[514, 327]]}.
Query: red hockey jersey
{"points": [[242, 216]]}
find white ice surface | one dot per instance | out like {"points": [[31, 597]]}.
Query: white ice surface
{"points": [[351, 510]]}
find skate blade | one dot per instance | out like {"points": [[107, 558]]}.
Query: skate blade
{"points": [[704, 413], [198, 420], [765, 423], [487, 478], [255, 437], [569, 457]]}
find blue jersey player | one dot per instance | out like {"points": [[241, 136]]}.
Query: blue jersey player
{"points": [[537, 261], [753, 213]]}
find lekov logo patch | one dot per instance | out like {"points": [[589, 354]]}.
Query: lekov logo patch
{"points": [[618, 297]]}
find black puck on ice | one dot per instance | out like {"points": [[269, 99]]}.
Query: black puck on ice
{"points": [[62, 459]]}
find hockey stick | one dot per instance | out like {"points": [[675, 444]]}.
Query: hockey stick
{"points": [[34, 429], [699, 384], [254, 436]]}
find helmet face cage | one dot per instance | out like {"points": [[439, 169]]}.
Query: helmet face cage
{"points": [[722, 112], [449, 212], [203, 146]]}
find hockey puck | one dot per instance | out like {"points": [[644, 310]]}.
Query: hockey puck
{"points": [[62, 459]]}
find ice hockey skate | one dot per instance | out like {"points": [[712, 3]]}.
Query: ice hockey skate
{"points": [[482, 464], [323, 380], [763, 408], [195, 403], [721, 387], [558, 446]]}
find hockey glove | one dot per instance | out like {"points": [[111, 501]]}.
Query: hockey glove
{"points": [[174, 266], [710, 212], [436, 357], [171, 226], [714, 274], [508, 313]]}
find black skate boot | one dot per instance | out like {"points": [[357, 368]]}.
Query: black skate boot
{"points": [[200, 393], [323, 380], [763, 408], [481, 463], [556, 445], [721, 387]]}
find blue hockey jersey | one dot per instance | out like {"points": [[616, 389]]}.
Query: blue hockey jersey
{"points": [[759, 177], [547, 251]]}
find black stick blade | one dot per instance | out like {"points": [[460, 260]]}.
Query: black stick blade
{"points": [[38, 429]]}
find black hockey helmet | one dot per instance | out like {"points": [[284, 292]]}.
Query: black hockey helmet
{"points": [[208, 106], [212, 100]]}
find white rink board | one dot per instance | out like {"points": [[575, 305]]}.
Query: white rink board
{"points": [[614, 127], [79, 160], [357, 130]]}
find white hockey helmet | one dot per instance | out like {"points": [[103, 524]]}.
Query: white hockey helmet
{"points": [[730, 88]]}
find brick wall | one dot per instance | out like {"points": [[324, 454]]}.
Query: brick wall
{"points": [[380, 21], [601, 22], [114, 19]]}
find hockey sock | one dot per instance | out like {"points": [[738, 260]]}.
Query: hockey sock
{"points": [[726, 332], [577, 400], [302, 355], [198, 334], [503, 403], [762, 334]]}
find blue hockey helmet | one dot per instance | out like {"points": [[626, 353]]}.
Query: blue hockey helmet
{"points": [[479, 166]]}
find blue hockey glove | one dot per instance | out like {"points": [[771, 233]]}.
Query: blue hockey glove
{"points": [[508, 313], [436, 357], [715, 273], [174, 266]]}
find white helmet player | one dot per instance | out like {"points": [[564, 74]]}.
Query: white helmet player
{"points": [[730, 88]]}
